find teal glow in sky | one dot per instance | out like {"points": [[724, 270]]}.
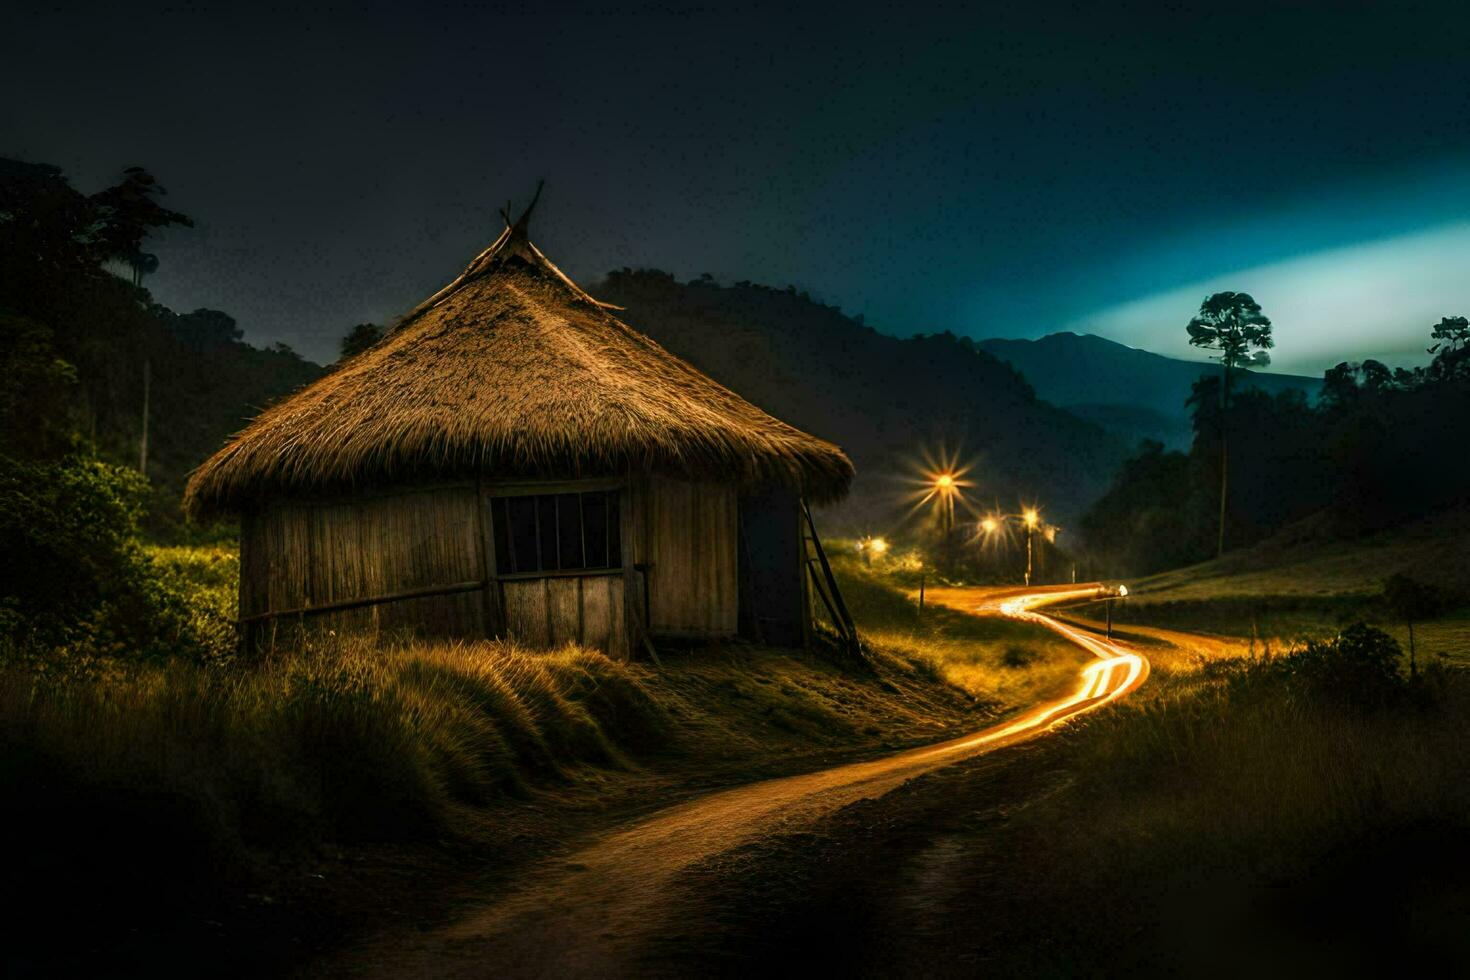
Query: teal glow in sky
{"points": [[1361, 271], [1378, 299], [993, 169]]}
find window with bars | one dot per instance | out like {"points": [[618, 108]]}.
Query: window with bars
{"points": [[556, 532]]}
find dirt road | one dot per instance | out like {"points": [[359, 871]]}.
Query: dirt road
{"points": [[589, 914]]}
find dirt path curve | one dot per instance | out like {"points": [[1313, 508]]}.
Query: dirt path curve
{"points": [[587, 915]]}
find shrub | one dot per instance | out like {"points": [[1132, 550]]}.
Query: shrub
{"points": [[1358, 667], [76, 580]]}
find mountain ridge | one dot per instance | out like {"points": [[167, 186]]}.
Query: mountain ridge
{"points": [[888, 401], [1132, 392]]}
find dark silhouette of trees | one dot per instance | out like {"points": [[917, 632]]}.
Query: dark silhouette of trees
{"points": [[1232, 324], [83, 349], [128, 212], [881, 397], [203, 330], [1155, 516], [1378, 448], [38, 416], [360, 338], [1451, 349]]}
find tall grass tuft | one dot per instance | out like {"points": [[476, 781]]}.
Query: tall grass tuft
{"points": [[201, 767]]}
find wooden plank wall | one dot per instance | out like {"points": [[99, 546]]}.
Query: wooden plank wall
{"points": [[295, 554], [552, 611], [689, 537], [302, 554]]}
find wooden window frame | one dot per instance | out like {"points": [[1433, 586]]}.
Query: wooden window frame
{"points": [[616, 563]]}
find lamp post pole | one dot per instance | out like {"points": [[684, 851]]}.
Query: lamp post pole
{"points": [[1120, 593], [1030, 519], [1028, 554]]}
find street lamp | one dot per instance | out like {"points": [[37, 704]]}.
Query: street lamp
{"points": [[1122, 593], [1029, 519], [871, 548], [944, 486]]}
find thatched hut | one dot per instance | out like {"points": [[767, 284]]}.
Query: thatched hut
{"points": [[512, 459]]}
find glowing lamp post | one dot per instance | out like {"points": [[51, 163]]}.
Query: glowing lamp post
{"points": [[1029, 519], [944, 490], [871, 548], [1122, 593]]}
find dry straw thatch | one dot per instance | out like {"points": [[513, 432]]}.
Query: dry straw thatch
{"points": [[511, 370]]}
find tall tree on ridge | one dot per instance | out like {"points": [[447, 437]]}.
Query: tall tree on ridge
{"points": [[129, 211], [1232, 324]]}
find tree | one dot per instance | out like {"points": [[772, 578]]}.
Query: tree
{"points": [[1411, 601], [128, 212], [360, 338], [1232, 324], [38, 415], [1451, 349]]}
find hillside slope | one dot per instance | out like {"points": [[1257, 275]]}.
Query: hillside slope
{"points": [[1307, 561], [1134, 393], [883, 399]]}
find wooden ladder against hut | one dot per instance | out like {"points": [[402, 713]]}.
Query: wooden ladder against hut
{"points": [[824, 584]]}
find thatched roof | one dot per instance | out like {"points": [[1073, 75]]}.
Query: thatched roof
{"points": [[511, 369]]}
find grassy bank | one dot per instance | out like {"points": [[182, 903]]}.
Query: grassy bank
{"points": [[1001, 663], [1307, 582], [1241, 818], [166, 802]]}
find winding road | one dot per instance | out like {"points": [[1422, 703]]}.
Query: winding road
{"points": [[589, 913]]}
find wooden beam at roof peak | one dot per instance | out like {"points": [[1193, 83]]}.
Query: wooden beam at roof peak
{"points": [[524, 220]]}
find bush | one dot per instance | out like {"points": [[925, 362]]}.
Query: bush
{"points": [[1359, 667], [77, 584]]}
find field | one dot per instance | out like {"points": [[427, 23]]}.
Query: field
{"points": [[1295, 816], [1002, 663], [1301, 584], [256, 813], [1299, 563], [159, 799]]}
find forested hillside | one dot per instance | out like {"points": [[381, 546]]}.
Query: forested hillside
{"points": [[885, 400], [91, 362], [1379, 448]]}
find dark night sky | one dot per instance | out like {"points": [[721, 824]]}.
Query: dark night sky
{"points": [[995, 172]]}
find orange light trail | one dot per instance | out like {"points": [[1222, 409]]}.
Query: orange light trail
{"points": [[1116, 672]]}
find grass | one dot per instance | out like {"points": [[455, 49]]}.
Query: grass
{"points": [[1305, 581], [352, 741], [347, 742], [1226, 820], [150, 792], [1305, 584], [1269, 812], [1002, 663]]}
